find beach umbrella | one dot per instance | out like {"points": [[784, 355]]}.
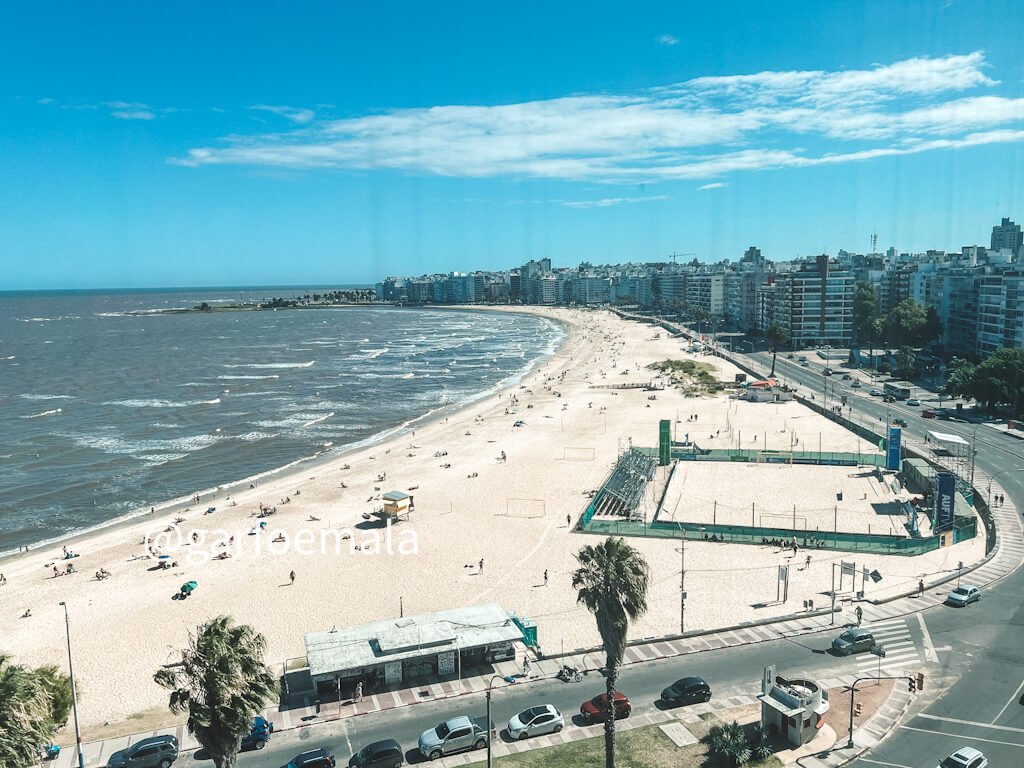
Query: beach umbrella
{"points": [[188, 586]]}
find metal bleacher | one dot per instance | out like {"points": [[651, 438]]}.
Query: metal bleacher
{"points": [[624, 489]]}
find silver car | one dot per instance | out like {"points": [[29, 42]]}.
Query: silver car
{"points": [[536, 721], [963, 595], [965, 757]]}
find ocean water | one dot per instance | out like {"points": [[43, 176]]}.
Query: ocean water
{"points": [[104, 413]]}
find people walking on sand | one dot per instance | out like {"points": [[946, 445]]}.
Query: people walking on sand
{"points": [[568, 521], [807, 563], [291, 577], [481, 565], [545, 577]]}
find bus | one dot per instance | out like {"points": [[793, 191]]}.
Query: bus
{"points": [[900, 390]]}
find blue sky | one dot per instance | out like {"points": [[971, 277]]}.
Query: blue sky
{"points": [[146, 145]]}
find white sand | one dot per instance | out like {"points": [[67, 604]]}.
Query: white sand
{"points": [[125, 627]]}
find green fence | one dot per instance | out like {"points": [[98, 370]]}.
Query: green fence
{"points": [[739, 534], [840, 458]]}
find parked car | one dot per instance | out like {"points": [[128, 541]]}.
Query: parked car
{"points": [[900, 422], [536, 721], [876, 393], [854, 640], [455, 735], [687, 690], [259, 734], [963, 595], [965, 757], [596, 709], [312, 758], [856, 384], [154, 752], [381, 754], [913, 401]]}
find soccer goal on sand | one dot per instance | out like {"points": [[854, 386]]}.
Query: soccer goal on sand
{"points": [[525, 508], [577, 454]]}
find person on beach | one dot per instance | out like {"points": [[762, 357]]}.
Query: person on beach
{"points": [[545, 577], [481, 565], [291, 577]]}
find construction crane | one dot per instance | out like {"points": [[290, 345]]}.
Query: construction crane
{"points": [[673, 256]]}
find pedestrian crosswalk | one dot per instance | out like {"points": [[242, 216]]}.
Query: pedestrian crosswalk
{"points": [[898, 644]]}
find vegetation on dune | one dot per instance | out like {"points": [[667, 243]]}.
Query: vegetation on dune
{"points": [[692, 377]]}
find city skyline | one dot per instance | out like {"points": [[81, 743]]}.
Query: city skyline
{"points": [[144, 150]]}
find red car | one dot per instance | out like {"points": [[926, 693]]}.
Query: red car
{"points": [[596, 709], [928, 413]]}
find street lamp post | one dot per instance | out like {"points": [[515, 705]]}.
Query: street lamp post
{"points": [[997, 474], [490, 684], [74, 696]]}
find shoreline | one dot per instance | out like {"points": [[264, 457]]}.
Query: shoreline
{"points": [[315, 461]]}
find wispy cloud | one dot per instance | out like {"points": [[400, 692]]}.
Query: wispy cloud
{"points": [[667, 40], [119, 110], [713, 185], [295, 114], [605, 202], [700, 129]]}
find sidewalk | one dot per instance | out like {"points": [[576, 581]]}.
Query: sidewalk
{"points": [[1006, 558]]}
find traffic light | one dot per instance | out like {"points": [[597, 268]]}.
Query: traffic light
{"points": [[920, 681], [912, 684], [857, 709]]}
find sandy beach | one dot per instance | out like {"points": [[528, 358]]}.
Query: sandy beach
{"points": [[471, 506]]}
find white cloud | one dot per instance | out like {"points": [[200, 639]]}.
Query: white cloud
{"points": [[295, 114], [133, 114], [713, 185], [703, 128], [667, 40], [609, 201]]}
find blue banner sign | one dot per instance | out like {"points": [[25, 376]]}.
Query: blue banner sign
{"points": [[892, 451], [944, 505]]}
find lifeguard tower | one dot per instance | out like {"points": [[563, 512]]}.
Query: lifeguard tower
{"points": [[397, 506]]}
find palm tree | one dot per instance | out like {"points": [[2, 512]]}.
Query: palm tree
{"points": [[612, 583], [223, 684], [28, 716], [776, 335]]}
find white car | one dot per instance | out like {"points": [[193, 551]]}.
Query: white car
{"points": [[965, 757], [536, 721], [963, 595], [856, 384], [913, 401]]}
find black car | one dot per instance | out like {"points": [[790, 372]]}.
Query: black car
{"points": [[688, 690], [381, 754], [154, 752], [313, 758]]}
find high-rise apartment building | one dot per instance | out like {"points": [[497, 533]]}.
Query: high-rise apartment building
{"points": [[1007, 235], [813, 304]]}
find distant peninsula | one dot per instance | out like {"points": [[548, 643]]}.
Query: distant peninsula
{"points": [[340, 298]]}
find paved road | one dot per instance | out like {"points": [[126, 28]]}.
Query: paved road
{"points": [[985, 661], [732, 672]]}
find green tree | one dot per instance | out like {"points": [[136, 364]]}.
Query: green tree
{"points": [[906, 362], [33, 704], [865, 309], [932, 328], [776, 336], [904, 323], [222, 684], [612, 582]]}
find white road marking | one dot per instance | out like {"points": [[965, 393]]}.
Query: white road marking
{"points": [[973, 722], [962, 736], [1008, 703], [879, 762], [929, 649]]}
